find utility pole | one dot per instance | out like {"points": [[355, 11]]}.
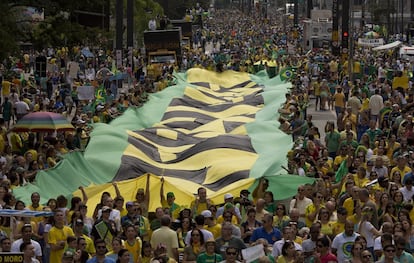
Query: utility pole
{"points": [[351, 42], [119, 31], [335, 28], [402, 17]]}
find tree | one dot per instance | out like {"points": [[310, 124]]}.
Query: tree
{"points": [[8, 31]]}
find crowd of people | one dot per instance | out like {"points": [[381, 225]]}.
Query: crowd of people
{"points": [[359, 209]]}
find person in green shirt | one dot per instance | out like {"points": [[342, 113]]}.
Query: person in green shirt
{"points": [[209, 256], [332, 139], [170, 202]]}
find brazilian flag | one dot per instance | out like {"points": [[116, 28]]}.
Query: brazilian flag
{"points": [[100, 95], [212, 130], [286, 73]]}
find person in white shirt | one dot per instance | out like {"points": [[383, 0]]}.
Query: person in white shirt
{"points": [[341, 244], [407, 190], [115, 214], [27, 233], [376, 103], [300, 202], [288, 234], [21, 108]]}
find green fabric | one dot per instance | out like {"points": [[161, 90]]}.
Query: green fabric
{"points": [[70, 173], [341, 172], [284, 186]]}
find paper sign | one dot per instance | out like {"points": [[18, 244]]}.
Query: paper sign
{"points": [[252, 253]]}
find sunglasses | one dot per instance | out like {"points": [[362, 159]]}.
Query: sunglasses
{"points": [[231, 253], [390, 250], [366, 256]]}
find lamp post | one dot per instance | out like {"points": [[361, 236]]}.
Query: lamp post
{"points": [[402, 17]]}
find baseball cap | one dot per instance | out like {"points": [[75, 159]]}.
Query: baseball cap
{"points": [[141, 190], [382, 179], [68, 255], [100, 107], [207, 214], [79, 222], [228, 196], [244, 192], [170, 194], [106, 209], [210, 240], [129, 203], [228, 205], [20, 170]]}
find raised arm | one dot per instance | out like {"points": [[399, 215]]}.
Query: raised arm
{"points": [[84, 195], [162, 197], [147, 191], [118, 193]]}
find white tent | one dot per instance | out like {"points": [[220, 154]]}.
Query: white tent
{"points": [[388, 46]]}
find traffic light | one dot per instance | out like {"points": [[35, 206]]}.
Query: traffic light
{"points": [[345, 37]]}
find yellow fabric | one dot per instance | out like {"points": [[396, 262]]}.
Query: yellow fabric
{"points": [[223, 79], [400, 82], [245, 160], [183, 190]]}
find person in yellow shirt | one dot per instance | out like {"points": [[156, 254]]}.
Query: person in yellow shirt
{"points": [[312, 210], [339, 99], [201, 203], [35, 206], [352, 202], [401, 167], [6, 87], [360, 178], [364, 102], [211, 224], [341, 157], [57, 237]]}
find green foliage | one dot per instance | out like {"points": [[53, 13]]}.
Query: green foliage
{"points": [[8, 31]]}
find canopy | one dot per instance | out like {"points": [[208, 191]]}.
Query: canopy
{"points": [[87, 53], [388, 46], [24, 213], [43, 121]]}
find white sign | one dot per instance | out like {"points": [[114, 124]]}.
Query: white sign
{"points": [[118, 58], [370, 42], [252, 253], [86, 92]]}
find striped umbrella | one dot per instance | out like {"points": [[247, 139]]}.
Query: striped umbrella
{"points": [[43, 121]]}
